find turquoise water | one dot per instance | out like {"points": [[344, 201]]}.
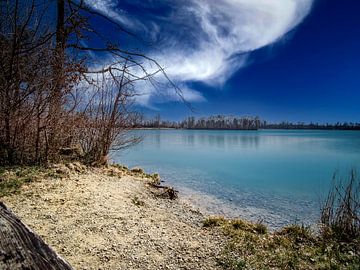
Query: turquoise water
{"points": [[279, 177]]}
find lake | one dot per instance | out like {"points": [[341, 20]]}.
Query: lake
{"points": [[274, 176]]}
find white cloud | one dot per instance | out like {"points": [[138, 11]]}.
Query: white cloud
{"points": [[208, 40], [226, 32], [149, 97], [188, 94], [110, 9]]}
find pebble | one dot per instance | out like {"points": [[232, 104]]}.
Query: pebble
{"points": [[101, 228]]}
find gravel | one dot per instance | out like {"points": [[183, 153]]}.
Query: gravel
{"points": [[100, 220]]}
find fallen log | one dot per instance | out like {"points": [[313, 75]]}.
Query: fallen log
{"points": [[169, 192], [21, 248]]}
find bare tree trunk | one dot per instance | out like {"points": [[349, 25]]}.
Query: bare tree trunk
{"points": [[58, 76], [20, 248]]}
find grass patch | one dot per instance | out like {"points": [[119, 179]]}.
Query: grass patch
{"points": [[214, 222], [335, 246], [231, 226], [12, 178], [297, 233], [120, 167], [251, 246]]}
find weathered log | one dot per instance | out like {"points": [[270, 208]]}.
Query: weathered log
{"points": [[159, 186], [169, 192], [21, 248]]}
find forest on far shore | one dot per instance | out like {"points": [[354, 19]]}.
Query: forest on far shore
{"points": [[239, 123]]}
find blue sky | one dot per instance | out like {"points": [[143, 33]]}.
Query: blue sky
{"points": [[295, 60]]}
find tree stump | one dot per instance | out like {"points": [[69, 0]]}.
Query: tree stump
{"points": [[21, 248]]}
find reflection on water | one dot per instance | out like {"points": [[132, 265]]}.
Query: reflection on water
{"points": [[256, 174], [219, 140]]}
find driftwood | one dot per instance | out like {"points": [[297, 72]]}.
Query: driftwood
{"points": [[21, 248], [169, 192]]}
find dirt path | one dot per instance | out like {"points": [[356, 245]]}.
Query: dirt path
{"points": [[97, 221]]}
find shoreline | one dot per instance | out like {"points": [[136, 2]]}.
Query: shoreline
{"points": [[115, 218], [210, 205], [259, 129]]}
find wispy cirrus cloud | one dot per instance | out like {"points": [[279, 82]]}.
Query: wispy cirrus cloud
{"points": [[203, 40], [111, 9]]}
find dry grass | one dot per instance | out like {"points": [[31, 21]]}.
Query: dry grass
{"points": [[335, 246], [251, 246], [340, 212]]}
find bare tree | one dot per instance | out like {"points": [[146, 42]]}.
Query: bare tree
{"points": [[51, 95]]}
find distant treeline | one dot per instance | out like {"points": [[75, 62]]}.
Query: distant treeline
{"points": [[327, 126], [212, 122], [239, 123]]}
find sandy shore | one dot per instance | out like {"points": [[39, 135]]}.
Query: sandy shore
{"points": [[112, 219]]}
